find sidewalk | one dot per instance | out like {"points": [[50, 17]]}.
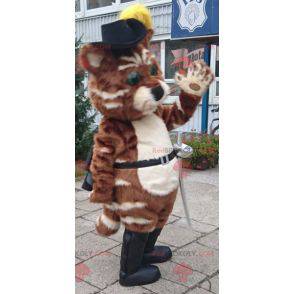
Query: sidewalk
{"points": [[194, 265]]}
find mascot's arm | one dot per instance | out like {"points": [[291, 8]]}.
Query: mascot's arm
{"points": [[106, 146], [179, 112], [193, 84]]}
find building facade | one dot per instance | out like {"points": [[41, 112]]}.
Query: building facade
{"points": [[184, 30]]}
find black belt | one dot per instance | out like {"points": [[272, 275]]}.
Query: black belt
{"points": [[145, 163]]}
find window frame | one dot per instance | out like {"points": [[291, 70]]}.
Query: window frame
{"points": [[213, 98], [80, 7], [79, 14], [115, 8]]}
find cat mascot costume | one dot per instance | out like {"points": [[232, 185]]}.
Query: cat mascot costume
{"points": [[134, 171]]}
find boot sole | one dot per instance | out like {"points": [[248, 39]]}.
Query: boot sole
{"points": [[125, 283]]}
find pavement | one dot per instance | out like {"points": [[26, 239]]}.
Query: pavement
{"points": [[194, 265]]}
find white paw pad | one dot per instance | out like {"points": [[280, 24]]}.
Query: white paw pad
{"points": [[196, 80]]}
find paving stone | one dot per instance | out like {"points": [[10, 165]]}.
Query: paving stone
{"points": [[92, 216], [83, 226], [177, 236], [87, 205], [198, 291], [211, 285], [209, 176], [214, 284], [198, 257], [210, 240], [82, 195], [118, 289], [205, 285], [77, 260], [196, 226], [84, 288], [78, 184], [202, 202], [90, 244], [171, 219], [103, 270], [80, 212], [180, 274], [164, 286], [118, 236], [116, 250]]}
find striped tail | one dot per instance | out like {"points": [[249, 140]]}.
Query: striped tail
{"points": [[108, 223]]}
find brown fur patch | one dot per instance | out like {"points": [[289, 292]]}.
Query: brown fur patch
{"points": [[102, 230]]}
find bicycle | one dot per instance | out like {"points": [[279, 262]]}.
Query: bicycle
{"points": [[214, 125]]}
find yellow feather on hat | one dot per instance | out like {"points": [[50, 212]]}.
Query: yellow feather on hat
{"points": [[140, 13]]}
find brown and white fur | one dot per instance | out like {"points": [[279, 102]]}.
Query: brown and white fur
{"points": [[135, 127]]}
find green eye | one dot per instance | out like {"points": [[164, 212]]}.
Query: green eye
{"points": [[153, 70], [133, 78]]}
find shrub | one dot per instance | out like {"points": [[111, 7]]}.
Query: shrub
{"points": [[205, 147], [84, 114]]}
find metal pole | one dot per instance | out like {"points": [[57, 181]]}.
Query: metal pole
{"points": [[182, 189]]}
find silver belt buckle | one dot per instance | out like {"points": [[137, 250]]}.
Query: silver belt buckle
{"points": [[164, 160]]}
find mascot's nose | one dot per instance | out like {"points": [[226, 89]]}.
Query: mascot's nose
{"points": [[157, 92]]}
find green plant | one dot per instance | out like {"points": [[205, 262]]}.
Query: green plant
{"points": [[84, 113], [204, 147]]}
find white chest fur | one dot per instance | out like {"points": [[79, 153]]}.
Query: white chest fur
{"points": [[153, 142]]}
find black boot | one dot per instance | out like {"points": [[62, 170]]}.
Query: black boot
{"points": [[132, 272], [155, 254]]}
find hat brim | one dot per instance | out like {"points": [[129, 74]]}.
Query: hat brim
{"points": [[122, 34], [130, 45]]}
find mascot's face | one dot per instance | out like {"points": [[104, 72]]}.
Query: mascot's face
{"points": [[124, 84]]}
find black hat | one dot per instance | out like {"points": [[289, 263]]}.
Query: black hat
{"points": [[124, 33]]}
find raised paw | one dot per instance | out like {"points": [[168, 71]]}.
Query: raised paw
{"points": [[196, 80]]}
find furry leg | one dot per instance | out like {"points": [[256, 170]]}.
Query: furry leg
{"points": [[108, 223]]}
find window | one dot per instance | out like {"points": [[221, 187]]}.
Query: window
{"points": [[92, 4], [214, 65], [217, 72], [179, 54], [155, 49], [77, 5]]}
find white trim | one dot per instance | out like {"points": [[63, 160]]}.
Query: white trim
{"points": [[102, 10], [135, 220], [213, 99], [170, 81], [194, 37], [125, 206], [113, 105], [116, 7], [125, 66], [121, 182], [120, 160], [161, 37], [162, 57], [108, 222], [110, 96]]}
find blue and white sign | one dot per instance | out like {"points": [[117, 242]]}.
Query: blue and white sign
{"points": [[194, 18], [192, 14]]}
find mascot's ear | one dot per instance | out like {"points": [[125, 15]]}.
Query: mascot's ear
{"points": [[91, 56]]}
